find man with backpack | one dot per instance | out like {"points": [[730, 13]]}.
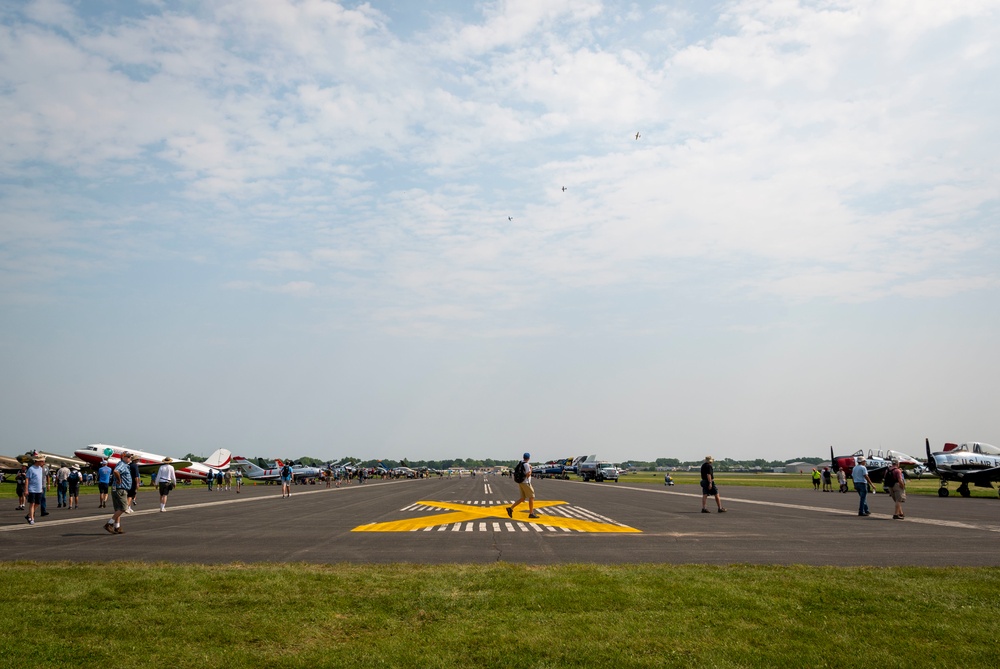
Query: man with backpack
{"points": [[74, 480], [896, 483], [522, 477], [286, 480]]}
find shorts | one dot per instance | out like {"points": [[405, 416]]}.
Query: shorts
{"points": [[898, 494], [36, 497], [119, 499], [709, 488], [102, 488], [165, 489], [527, 491]]}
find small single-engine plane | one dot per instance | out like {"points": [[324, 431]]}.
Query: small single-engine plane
{"points": [[877, 464], [964, 463]]}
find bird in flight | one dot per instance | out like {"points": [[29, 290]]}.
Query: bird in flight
{"points": [[510, 218], [637, 135], [564, 189]]}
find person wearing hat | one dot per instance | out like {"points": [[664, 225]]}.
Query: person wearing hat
{"points": [[73, 487], [36, 487], [121, 483], [61, 486], [861, 482], [166, 479], [896, 482], [103, 483], [133, 468], [708, 486], [522, 476]]}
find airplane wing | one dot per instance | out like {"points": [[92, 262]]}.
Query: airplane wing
{"points": [[984, 477], [153, 467], [52, 459]]}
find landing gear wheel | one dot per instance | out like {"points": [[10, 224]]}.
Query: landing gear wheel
{"points": [[964, 491], [942, 492]]}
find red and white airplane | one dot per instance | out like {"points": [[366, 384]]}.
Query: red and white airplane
{"points": [[150, 462]]}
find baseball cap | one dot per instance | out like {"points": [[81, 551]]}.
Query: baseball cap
{"points": [[527, 456]]}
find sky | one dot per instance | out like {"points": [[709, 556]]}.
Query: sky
{"points": [[442, 229]]}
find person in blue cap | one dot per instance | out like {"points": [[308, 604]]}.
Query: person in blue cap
{"points": [[522, 477]]}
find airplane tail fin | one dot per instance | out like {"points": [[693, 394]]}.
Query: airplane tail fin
{"points": [[247, 466], [219, 460], [931, 464]]}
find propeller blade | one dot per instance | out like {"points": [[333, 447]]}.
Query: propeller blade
{"points": [[931, 464]]}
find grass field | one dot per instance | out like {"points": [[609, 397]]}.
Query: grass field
{"points": [[497, 616]]}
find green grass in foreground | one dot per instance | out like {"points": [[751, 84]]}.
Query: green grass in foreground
{"points": [[85, 615]]}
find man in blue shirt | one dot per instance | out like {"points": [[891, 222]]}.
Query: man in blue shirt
{"points": [[861, 483], [120, 486], [36, 487], [103, 483]]}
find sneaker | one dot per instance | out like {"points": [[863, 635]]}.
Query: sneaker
{"points": [[533, 515], [119, 530], [31, 521], [868, 513], [722, 509], [510, 512], [128, 510], [27, 518], [705, 511], [110, 527]]}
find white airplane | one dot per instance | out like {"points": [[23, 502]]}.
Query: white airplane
{"points": [[150, 462], [255, 473], [967, 463]]}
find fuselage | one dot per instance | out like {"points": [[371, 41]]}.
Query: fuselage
{"points": [[196, 471]]}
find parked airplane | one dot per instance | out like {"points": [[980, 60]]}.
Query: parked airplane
{"points": [[255, 473], [966, 464], [9, 465], [50, 459], [150, 462], [876, 463]]}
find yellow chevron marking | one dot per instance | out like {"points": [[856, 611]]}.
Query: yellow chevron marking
{"points": [[461, 513]]}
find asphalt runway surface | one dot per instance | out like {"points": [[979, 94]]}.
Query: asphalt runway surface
{"points": [[453, 520]]}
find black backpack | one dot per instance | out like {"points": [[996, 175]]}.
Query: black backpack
{"points": [[519, 473]]}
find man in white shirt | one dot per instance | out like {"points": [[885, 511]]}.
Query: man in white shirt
{"points": [[62, 487], [166, 479], [523, 472]]}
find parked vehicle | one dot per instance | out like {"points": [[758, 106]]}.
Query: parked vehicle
{"points": [[597, 470]]}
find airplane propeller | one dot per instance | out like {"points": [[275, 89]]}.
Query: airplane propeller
{"points": [[931, 465]]}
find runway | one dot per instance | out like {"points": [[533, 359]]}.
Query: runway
{"points": [[452, 520]]}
